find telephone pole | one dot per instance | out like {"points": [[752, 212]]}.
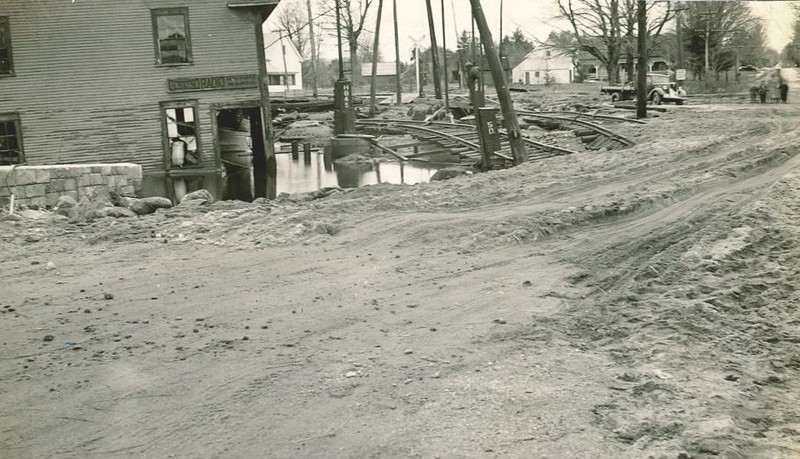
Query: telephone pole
{"points": [[501, 85], [707, 37], [373, 83], [679, 35], [397, 55], [444, 65], [313, 49], [339, 41], [437, 84], [641, 77]]}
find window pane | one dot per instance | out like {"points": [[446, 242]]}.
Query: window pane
{"points": [[171, 26], [5, 46], [182, 136], [12, 143], [4, 146], [3, 129], [5, 35], [172, 41]]}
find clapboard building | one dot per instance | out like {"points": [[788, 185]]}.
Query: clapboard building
{"points": [[127, 81]]}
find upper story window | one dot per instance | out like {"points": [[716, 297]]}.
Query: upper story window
{"points": [[6, 64], [10, 140], [171, 34]]}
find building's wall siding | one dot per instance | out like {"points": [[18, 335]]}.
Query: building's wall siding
{"points": [[87, 88]]}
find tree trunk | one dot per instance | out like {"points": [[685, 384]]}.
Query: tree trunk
{"points": [[612, 69], [629, 67], [355, 71]]}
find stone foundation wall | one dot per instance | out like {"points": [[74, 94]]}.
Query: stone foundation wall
{"points": [[41, 186]]}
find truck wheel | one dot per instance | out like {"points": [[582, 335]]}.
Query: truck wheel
{"points": [[616, 97], [657, 98]]}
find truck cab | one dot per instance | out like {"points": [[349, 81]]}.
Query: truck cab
{"points": [[659, 90]]}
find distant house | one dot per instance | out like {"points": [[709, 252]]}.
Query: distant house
{"points": [[594, 70], [284, 63], [544, 66]]}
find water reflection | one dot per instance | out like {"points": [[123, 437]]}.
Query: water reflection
{"points": [[293, 175], [317, 171]]}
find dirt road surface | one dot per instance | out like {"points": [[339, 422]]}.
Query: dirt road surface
{"points": [[622, 304]]}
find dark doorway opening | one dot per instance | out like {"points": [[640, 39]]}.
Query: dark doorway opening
{"points": [[248, 172]]}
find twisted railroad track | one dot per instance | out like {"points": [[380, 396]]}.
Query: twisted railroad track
{"points": [[461, 139]]}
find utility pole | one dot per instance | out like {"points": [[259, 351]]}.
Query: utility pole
{"points": [[339, 41], [679, 36], [500, 41], [444, 65], [437, 86], [313, 49], [641, 77], [707, 32], [396, 55], [498, 75], [373, 83], [285, 68], [419, 75]]}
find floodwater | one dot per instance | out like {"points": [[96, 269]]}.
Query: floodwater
{"points": [[301, 174], [310, 173]]}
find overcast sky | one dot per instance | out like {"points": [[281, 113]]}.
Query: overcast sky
{"points": [[536, 18]]}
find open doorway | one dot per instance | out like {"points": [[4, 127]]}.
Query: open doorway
{"points": [[240, 143]]}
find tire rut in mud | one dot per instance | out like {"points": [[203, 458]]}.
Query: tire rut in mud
{"points": [[698, 302]]}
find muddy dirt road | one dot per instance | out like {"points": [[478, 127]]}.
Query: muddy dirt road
{"points": [[626, 304]]}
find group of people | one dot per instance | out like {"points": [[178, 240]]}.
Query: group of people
{"points": [[775, 87]]}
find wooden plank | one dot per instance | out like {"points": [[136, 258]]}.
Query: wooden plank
{"points": [[387, 150]]}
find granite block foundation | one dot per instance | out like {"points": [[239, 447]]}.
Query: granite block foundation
{"points": [[41, 186]]}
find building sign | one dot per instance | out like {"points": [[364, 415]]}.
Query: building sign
{"points": [[212, 83], [680, 74]]}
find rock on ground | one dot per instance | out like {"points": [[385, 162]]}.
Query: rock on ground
{"points": [[199, 195]]}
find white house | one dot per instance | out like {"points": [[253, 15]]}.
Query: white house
{"points": [[597, 71], [543, 66], [284, 63]]}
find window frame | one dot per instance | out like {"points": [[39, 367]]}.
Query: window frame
{"points": [[165, 141], [5, 22], [283, 78], [155, 13], [15, 118]]}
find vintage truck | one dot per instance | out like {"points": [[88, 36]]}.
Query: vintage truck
{"points": [[659, 90]]}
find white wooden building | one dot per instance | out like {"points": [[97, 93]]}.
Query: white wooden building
{"points": [[543, 66], [284, 63]]}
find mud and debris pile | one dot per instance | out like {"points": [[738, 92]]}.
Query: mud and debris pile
{"points": [[639, 303]]}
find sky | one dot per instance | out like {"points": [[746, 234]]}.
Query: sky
{"points": [[536, 19]]}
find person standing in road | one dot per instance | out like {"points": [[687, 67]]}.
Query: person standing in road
{"points": [[783, 87], [775, 86]]}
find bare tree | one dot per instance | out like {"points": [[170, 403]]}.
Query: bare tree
{"points": [[354, 18], [605, 29], [293, 22]]}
